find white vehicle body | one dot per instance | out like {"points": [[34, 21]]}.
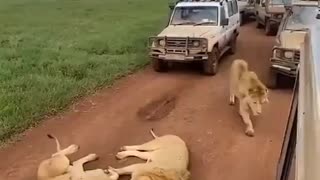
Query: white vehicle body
{"points": [[269, 14], [242, 5], [300, 159], [186, 40], [286, 53], [246, 8]]}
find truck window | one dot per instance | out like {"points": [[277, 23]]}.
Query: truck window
{"points": [[195, 15], [234, 6], [230, 11], [222, 14], [276, 2]]}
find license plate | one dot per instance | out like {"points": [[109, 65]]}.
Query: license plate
{"points": [[174, 57]]}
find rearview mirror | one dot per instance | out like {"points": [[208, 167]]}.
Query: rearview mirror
{"points": [[171, 6], [225, 22]]}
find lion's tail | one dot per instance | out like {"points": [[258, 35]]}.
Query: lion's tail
{"points": [[57, 141], [153, 134]]}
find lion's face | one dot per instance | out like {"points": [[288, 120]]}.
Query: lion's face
{"points": [[257, 97], [255, 106]]}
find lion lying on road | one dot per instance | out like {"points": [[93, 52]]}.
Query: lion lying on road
{"points": [[58, 166], [249, 90], [167, 159]]}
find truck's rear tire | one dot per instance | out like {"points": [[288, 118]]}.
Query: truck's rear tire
{"points": [[210, 66], [268, 29], [258, 24], [159, 65]]}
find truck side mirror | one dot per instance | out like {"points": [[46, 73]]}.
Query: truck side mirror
{"points": [[171, 6], [225, 22]]}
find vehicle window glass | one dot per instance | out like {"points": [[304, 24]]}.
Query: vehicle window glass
{"points": [[199, 15], [276, 2], [257, 1], [235, 6], [230, 12], [222, 14]]}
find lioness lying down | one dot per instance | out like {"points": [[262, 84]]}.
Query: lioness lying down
{"points": [[58, 166], [249, 90], [167, 159]]}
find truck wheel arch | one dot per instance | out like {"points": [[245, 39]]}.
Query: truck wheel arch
{"points": [[210, 48], [216, 45], [235, 32]]}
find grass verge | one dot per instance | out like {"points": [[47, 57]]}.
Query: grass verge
{"points": [[52, 51]]}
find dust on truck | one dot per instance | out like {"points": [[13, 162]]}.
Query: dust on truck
{"points": [[197, 31]]}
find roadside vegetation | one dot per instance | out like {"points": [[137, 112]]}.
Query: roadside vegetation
{"points": [[53, 51]]}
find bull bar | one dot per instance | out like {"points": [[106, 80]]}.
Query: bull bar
{"points": [[186, 50], [286, 66]]}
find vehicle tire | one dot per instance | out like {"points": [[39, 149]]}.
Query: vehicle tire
{"points": [[210, 66], [241, 18], [159, 65], [258, 24], [233, 44], [268, 28], [272, 79]]}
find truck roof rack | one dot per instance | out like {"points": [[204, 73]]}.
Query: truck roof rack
{"points": [[198, 1], [172, 4]]}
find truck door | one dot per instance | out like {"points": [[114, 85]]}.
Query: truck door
{"points": [[286, 163], [232, 20], [223, 40], [262, 10], [258, 8], [236, 12], [230, 13]]}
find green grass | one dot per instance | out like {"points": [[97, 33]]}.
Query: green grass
{"points": [[53, 51]]}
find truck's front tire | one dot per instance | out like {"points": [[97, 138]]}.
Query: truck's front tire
{"points": [[159, 65], [233, 44], [210, 66], [272, 79], [241, 18]]}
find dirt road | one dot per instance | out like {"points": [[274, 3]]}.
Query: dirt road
{"points": [[183, 102]]}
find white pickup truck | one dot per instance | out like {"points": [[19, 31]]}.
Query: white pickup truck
{"points": [[246, 9], [197, 31], [269, 14]]}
